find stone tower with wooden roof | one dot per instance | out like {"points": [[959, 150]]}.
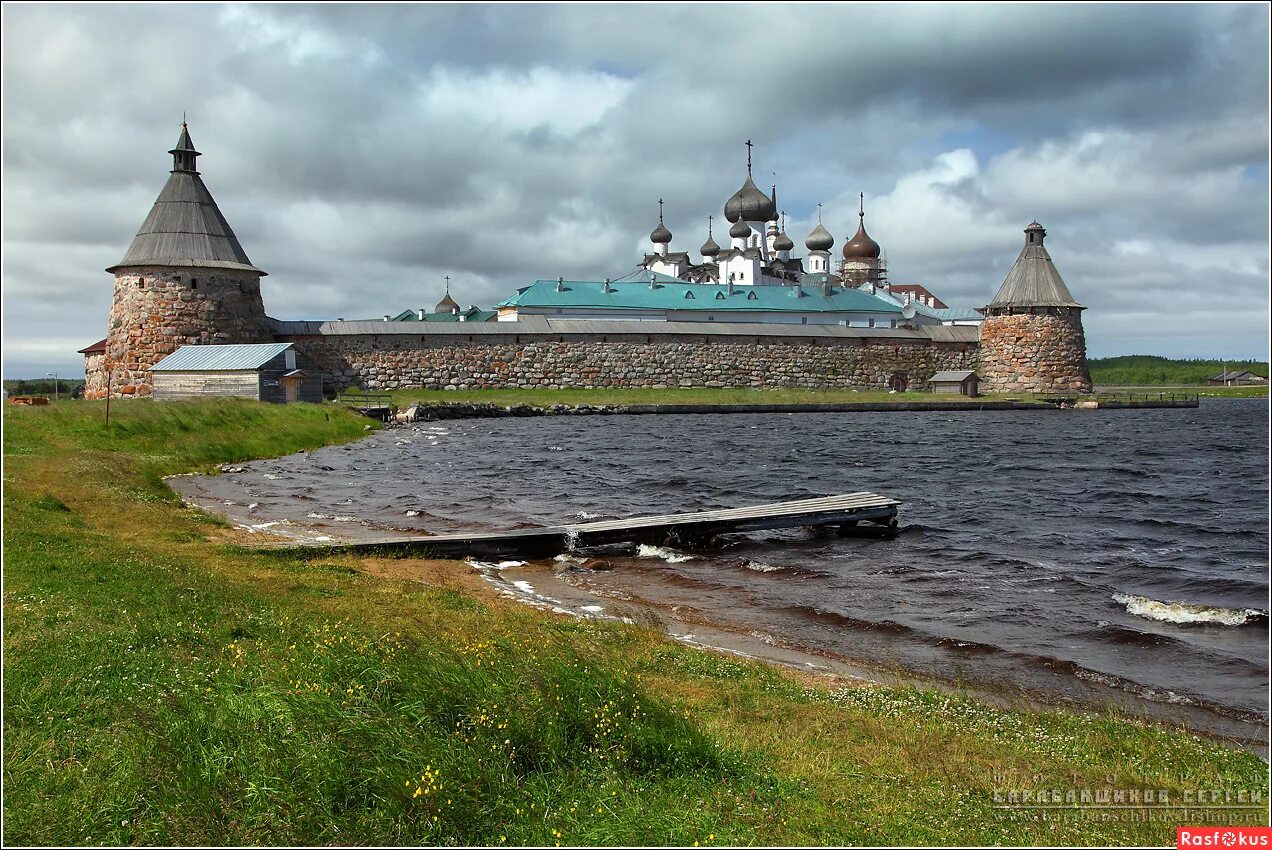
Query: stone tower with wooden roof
{"points": [[185, 279], [1032, 340]]}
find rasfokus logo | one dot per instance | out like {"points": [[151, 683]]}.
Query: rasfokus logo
{"points": [[1223, 836]]}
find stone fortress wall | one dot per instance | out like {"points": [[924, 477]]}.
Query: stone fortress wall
{"points": [[387, 362]]}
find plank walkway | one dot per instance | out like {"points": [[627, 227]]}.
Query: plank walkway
{"points": [[844, 511]]}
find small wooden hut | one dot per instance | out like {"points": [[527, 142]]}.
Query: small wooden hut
{"points": [[273, 371], [955, 382]]}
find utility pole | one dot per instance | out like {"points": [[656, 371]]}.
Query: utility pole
{"points": [[53, 375]]}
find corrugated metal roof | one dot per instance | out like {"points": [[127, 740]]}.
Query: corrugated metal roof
{"points": [[1033, 282], [531, 325], [220, 358], [953, 376], [952, 333], [696, 296], [185, 228]]}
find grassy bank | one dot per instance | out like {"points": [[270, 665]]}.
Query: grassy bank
{"points": [[165, 685]]}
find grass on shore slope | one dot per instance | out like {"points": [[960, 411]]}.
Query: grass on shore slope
{"points": [[163, 685]]}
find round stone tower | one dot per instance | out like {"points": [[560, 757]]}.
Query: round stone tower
{"points": [[1031, 340], [184, 281]]}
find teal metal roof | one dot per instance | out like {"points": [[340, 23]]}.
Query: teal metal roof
{"points": [[220, 358], [695, 296], [447, 316], [944, 314]]}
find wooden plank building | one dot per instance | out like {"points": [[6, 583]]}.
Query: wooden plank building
{"points": [[962, 382], [274, 372]]}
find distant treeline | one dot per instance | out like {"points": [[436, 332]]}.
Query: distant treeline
{"points": [[1145, 370], [41, 386]]}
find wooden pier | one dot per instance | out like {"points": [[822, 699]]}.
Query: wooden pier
{"points": [[689, 529]]}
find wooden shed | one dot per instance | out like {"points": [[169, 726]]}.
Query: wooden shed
{"points": [[274, 372], [955, 382], [1243, 378]]}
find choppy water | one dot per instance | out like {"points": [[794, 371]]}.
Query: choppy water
{"points": [[1072, 553]]}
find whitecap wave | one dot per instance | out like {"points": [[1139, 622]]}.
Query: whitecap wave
{"points": [[761, 567], [671, 556], [494, 565], [1182, 612]]}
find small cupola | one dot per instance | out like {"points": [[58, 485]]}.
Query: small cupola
{"points": [[1035, 233], [861, 246], [660, 235], [709, 248], [447, 304], [819, 239], [184, 154], [783, 242]]}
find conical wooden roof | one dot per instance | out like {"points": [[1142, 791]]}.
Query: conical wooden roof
{"points": [[1033, 281], [185, 227]]}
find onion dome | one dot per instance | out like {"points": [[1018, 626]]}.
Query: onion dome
{"points": [[709, 248], [447, 304], [660, 235], [783, 242], [740, 230], [750, 204], [861, 246], [820, 239]]}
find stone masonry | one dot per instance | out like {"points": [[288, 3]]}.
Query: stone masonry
{"points": [[1040, 351], [385, 362], [156, 310]]}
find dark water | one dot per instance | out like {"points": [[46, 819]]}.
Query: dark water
{"points": [[1068, 552]]}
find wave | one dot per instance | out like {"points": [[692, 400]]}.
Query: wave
{"points": [[761, 567], [489, 565], [1184, 613], [844, 621], [671, 556]]}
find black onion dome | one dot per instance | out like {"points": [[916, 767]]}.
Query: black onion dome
{"points": [[710, 248], [447, 304], [861, 246], [783, 242], [740, 230], [750, 204], [820, 239], [660, 235]]}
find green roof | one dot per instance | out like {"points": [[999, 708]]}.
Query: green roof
{"points": [[696, 296], [474, 315]]}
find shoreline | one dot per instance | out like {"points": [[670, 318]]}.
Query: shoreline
{"points": [[435, 411], [543, 584]]}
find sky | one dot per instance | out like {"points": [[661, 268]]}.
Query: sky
{"points": [[363, 152]]}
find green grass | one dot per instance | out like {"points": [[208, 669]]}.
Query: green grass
{"points": [[165, 685], [1141, 370]]}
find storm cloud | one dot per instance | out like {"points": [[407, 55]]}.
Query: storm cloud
{"points": [[362, 152]]}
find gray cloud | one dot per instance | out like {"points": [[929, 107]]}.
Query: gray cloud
{"points": [[362, 152]]}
